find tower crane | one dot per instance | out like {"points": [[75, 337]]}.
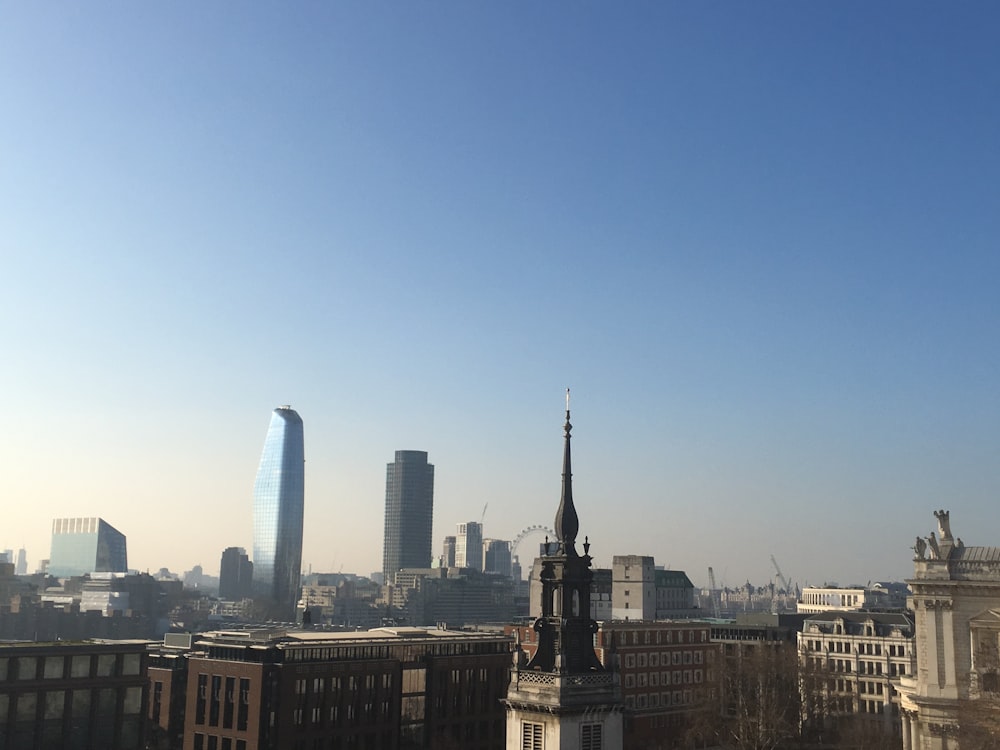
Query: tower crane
{"points": [[781, 576], [713, 592]]}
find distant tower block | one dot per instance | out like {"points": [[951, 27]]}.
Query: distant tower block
{"points": [[235, 575], [469, 546], [409, 513], [448, 552]]}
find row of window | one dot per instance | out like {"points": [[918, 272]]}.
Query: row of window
{"points": [[212, 742], [366, 712], [847, 647], [219, 698], [55, 704], [655, 679], [659, 636], [321, 685], [665, 658], [664, 700], [62, 667]]}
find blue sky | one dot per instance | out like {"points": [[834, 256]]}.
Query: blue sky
{"points": [[759, 241]]}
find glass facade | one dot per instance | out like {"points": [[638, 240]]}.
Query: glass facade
{"points": [[279, 499], [86, 545], [409, 513]]}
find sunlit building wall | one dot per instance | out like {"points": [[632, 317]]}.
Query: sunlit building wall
{"points": [[469, 546], [86, 545]]}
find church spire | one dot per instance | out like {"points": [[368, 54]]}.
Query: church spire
{"points": [[567, 523]]}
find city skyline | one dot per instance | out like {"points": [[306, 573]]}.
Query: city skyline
{"points": [[759, 243]]}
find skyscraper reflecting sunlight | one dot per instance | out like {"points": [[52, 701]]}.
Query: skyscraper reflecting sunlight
{"points": [[277, 515]]}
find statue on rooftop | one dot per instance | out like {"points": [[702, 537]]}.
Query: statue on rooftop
{"points": [[944, 524], [932, 543]]}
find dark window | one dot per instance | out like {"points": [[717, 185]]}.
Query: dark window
{"points": [[216, 699], [199, 715], [244, 704], [227, 711]]}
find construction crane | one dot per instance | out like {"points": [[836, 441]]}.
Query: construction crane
{"points": [[781, 577], [713, 592], [483, 517]]}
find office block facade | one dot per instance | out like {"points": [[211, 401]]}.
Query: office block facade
{"points": [[279, 504], [74, 696], [86, 545], [409, 513]]}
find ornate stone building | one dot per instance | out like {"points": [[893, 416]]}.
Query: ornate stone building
{"points": [[956, 605], [563, 698]]}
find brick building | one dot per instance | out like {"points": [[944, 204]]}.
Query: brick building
{"points": [[383, 689]]}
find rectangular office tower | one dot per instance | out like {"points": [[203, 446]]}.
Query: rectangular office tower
{"points": [[409, 513], [469, 546], [278, 506], [235, 574], [86, 545]]}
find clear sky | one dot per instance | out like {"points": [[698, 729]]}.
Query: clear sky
{"points": [[758, 240]]}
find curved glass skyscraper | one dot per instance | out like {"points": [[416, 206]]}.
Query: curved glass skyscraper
{"points": [[278, 501]]}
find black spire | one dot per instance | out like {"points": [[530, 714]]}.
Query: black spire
{"points": [[567, 522]]}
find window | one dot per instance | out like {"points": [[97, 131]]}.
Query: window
{"points": [[591, 736], [243, 712], [532, 736]]}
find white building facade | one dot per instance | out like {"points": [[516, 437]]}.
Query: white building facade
{"points": [[956, 605]]}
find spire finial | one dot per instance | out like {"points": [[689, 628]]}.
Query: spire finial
{"points": [[567, 523]]}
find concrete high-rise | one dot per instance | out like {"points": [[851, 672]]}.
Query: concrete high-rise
{"points": [[21, 565], [496, 557], [86, 545], [235, 574], [279, 501], [448, 552], [409, 513], [469, 546]]}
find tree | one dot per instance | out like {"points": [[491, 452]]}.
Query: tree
{"points": [[760, 696], [866, 732]]}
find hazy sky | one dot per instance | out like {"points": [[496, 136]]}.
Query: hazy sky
{"points": [[758, 240]]}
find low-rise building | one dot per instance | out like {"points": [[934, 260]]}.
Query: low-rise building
{"points": [[73, 695], [386, 688], [880, 596]]}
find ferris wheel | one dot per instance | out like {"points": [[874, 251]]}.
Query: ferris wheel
{"points": [[540, 530]]}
